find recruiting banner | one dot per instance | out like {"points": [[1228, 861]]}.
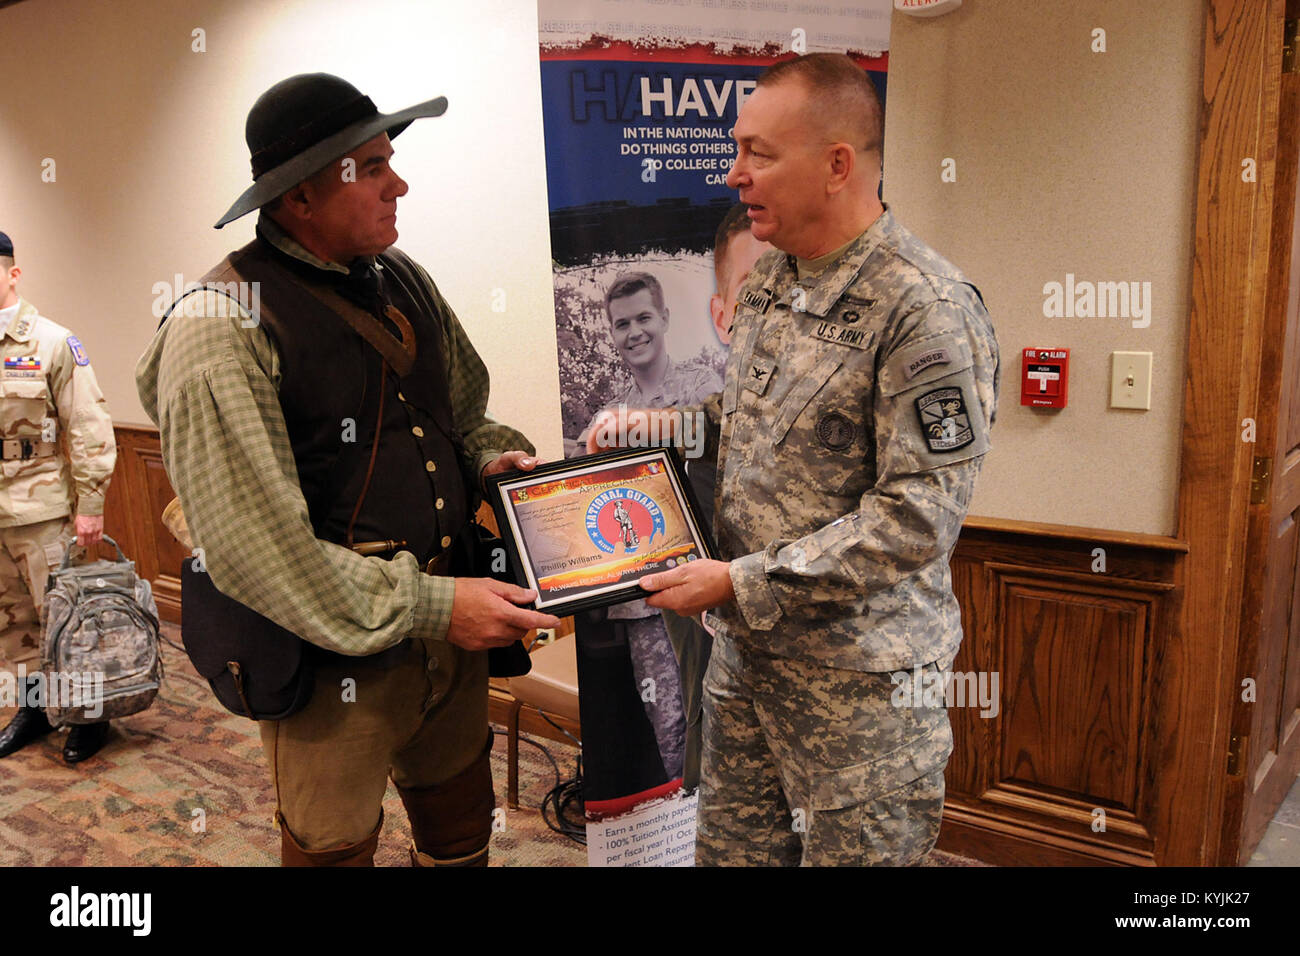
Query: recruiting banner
{"points": [[649, 249]]}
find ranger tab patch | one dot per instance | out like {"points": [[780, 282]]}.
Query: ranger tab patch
{"points": [[925, 360], [78, 350], [945, 422]]}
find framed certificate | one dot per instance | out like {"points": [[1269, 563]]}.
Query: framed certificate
{"points": [[583, 532]]}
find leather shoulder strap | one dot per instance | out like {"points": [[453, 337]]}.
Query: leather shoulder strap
{"points": [[286, 294]]}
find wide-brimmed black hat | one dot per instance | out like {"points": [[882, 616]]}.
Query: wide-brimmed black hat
{"points": [[304, 123]]}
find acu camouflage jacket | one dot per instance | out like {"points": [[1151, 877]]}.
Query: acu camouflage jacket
{"points": [[850, 431]]}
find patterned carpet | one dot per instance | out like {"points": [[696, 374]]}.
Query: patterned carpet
{"points": [[185, 784]]}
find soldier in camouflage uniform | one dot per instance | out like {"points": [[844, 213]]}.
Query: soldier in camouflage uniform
{"points": [[58, 458], [861, 387]]}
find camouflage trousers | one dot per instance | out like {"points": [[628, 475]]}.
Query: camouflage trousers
{"points": [[28, 553], [815, 766], [655, 666], [691, 644]]}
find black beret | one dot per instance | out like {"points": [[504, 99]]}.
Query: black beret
{"points": [[6, 246]]}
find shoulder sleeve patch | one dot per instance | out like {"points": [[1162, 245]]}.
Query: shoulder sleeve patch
{"points": [[945, 420], [78, 351]]}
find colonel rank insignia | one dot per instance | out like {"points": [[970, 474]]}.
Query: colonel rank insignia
{"points": [[944, 419]]}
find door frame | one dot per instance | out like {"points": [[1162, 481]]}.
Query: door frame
{"points": [[1218, 609]]}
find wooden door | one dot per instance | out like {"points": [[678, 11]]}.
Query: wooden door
{"points": [[1264, 752]]}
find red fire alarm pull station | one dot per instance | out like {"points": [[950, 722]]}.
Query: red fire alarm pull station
{"points": [[1044, 378]]}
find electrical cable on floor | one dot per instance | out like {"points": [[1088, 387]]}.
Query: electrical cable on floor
{"points": [[547, 717], [565, 795], [563, 802]]}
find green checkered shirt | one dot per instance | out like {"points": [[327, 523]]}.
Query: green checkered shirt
{"points": [[211, 386]]}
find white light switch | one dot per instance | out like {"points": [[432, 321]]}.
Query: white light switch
{"points": [[1130, 380]]}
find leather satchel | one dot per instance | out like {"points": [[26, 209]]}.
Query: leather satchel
{"points": [[256, 668]]}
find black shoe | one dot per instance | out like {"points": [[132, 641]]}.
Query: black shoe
{"points": [[28, 724], [84, 741]]}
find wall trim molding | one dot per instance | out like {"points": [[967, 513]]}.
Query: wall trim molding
{"points": [[1040, 529]]}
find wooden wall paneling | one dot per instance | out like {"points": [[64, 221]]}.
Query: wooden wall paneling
{"points": [[133, 514], [117, 522], [1078, 652], [967, 771], [169, 553], [1085, 646], [135, 443]]}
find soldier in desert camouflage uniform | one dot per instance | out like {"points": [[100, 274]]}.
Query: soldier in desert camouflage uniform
{"points": [[861, 387], [58, 452]]}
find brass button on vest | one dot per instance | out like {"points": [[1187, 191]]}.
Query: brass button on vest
{"points": [[438, 504], [430, 466], [417, 431], [446, 541]]}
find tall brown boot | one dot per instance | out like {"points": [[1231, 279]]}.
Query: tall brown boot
{"points": [[354, 854], [452, 822]]}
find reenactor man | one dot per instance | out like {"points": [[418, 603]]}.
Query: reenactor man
{"points": [[249, 409], [58, 459], [839, 500]]}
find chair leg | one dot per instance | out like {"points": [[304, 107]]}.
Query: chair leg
{"points": [[512, 757]]}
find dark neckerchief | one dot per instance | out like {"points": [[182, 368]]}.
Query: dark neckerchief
{"points": [[363, 284]]}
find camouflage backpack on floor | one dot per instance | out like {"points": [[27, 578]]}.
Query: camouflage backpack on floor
{"points": [[99, 649]]}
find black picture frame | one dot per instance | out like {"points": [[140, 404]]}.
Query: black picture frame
{"points": [[567, 600]]}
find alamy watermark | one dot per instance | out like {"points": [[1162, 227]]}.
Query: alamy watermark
{"points": [[242, 300], [75, 908], [1085, 299], [60, 689], [932, 688], [668, 426]]}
